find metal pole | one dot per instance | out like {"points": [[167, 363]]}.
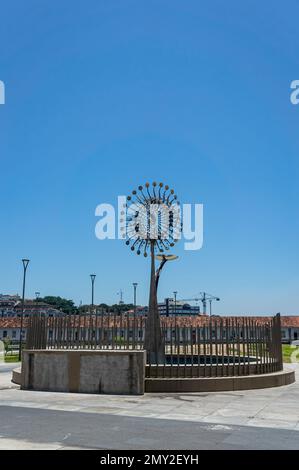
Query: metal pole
{"points": [[135, 284], [210, 307], [204, 304], [153, 341], [175, 294], [92, 277], [134, 322], [25, 265]]}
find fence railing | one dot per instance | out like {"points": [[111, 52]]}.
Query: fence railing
{"points": [[193, 346]]}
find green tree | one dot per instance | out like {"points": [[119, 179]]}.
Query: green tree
{"points": [[65, 305]]}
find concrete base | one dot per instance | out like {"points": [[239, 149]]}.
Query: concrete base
{"points": [[220, 384], [110, 371], [17, 376], [278, 379]]}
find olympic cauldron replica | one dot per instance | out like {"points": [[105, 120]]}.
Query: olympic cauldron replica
{"points": [[153, 226]]}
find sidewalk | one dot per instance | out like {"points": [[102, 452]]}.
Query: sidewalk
{"points": [[260, 419]]}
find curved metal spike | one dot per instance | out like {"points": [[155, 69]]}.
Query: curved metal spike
{"points": [[160, 187], [174, 198], [147, 190], [144, 196]]}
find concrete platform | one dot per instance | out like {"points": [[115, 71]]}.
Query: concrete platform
{"points": [[17, 376], [83, 371], [218, 384], [277, 379]]}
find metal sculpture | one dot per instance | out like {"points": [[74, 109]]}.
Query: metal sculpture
{"points": [[163, 260], [153, 226]]}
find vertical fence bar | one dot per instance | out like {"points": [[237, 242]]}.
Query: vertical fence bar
{"points": [[233, 345], [248, 345], [164, 336], [222, 347], [171, 346], [227, 334], [198, 349], [243, 346], [211, 346], [205, 348], [192, 336], [121, 332], [178, 347], [263, 348], [185, 348], [128, 331], [279, 341], [216, 346], [256, 347], [239, 346]]}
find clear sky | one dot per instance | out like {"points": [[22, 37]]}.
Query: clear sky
{"points": [[102, 96]]}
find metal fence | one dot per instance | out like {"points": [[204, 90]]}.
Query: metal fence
{"points": [[193, 346]]}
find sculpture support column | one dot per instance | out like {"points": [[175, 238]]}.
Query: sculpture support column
{"points": [[153, 341]]}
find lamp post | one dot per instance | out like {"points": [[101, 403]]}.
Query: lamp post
{"points": [[135, 284], [217, 300], [25, 265], [175, 294], [92, 277]]}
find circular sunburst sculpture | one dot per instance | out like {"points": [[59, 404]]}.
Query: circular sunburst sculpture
{"points": [[152, 226], [152, 219]]}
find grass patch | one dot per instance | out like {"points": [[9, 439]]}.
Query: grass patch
{"points": [[11, 358], [287, 351]]}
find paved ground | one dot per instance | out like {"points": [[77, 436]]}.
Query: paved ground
{"points": [[257, 419]]}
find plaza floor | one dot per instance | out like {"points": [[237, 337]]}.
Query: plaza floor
{"points": [[256, 419]]}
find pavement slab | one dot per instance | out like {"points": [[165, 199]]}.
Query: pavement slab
{"points": [[253, 419]]}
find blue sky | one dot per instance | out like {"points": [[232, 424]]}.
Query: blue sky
{"points": [[103, 96]]}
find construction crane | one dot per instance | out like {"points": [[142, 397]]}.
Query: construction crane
{"points": [[203, 297], [207, 297]]}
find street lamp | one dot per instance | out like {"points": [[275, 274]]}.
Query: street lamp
{"points": [[135, 284], [210, 300], [175, 294], [92, 277], [25, 265]]}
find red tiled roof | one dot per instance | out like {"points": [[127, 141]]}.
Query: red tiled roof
{"points": [[195, 321], [12, 323]]}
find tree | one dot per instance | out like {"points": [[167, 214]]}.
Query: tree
{"points": [[65, 305]]}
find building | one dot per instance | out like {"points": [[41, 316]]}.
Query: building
{"points": [[10, 329], [11, 311], [31, 307], [6, 298], [289, 329], [169, 308], [7, 304]]}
